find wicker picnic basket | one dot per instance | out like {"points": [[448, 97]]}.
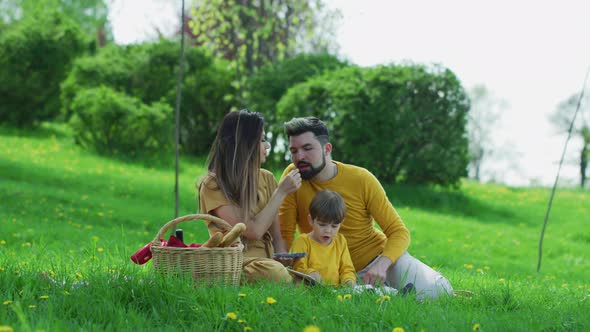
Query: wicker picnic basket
{"points": [[209, 265]]}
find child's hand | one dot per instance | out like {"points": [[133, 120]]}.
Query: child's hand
{"points": [[350, 283], [316, 276]]}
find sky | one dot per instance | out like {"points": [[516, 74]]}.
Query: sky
{"points": [[529, 54]]}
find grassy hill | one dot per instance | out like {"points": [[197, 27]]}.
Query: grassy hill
{"points": [[77, 217]]}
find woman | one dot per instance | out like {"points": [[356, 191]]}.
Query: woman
{"points": [[237, 190]]}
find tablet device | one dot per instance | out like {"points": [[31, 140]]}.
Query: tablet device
{"points": [[290, 255]]}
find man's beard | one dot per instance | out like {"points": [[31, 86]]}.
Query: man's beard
{"points": [[312, 171]]}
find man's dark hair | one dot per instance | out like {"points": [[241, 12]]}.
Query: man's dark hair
{"points": [[327, 206], [298, 126]]}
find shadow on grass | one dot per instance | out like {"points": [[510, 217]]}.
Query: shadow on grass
{"points": [[447, 201], [45, 130], [164, 159], [160, 161]]}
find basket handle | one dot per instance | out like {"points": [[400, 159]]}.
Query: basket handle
{"points": [[220, 223]]}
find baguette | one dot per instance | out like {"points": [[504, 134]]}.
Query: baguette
{"points": [[214, 240], [233, 235]]}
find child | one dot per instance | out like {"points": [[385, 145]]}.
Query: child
{"points": [[328, 259]]}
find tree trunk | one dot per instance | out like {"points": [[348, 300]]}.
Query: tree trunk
{"points": [[584, 164]]}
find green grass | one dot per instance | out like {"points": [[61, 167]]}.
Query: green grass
{"points": [[78, 217]]}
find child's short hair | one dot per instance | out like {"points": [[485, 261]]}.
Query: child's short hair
{"points": [[327, 206]]}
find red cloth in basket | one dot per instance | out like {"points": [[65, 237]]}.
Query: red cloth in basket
{"points": [[144, 254]]}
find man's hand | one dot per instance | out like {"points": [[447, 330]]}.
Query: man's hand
{"points": [[377, 273]]}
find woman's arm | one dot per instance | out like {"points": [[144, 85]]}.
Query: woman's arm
{"points": [[277, 239], [265, 219]]}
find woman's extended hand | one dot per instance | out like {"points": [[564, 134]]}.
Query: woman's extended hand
{"points": [[291, 182]]}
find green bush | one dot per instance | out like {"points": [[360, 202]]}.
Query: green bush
{"points": [[35, 55], [404, 123], [114, 123], [149, 72], [266, 87], [112, 66]]}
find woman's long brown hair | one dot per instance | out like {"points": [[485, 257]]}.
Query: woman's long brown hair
{"points": [[235, 158]]}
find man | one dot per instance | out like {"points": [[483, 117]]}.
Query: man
{"points": [[378, 256]]}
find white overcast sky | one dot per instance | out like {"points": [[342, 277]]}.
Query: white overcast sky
{"points": [[532, 54]]}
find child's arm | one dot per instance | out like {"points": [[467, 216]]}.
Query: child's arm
{"points": [[301, 244]]}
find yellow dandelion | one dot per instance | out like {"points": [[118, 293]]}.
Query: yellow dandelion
{"points": [[311, 328], [2, 269], [398, 329], [476, 327], [347, 297], [2, 242], [100, 249], [479, 271], [241, 321], [386, 298], [44, 297], [340, 298], [7, 302], [231, 315], [6, 328], [270, 300], [32, 306], [242, 295], [247, 328], [78, 275], [468, 266]]}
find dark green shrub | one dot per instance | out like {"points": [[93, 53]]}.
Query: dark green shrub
{"points": [[404, 123], [149, 73], [35, 54], [112, 66], [266, 87], [114, 123]]}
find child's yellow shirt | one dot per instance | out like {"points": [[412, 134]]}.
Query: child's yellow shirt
{"points": [[331, 261]]}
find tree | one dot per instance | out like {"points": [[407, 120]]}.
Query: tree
{"points": [[147, 71], [91, 15], [251, 33], [483, 116], [35, 56], [580, 129], [404, 123], [267, 86]]}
